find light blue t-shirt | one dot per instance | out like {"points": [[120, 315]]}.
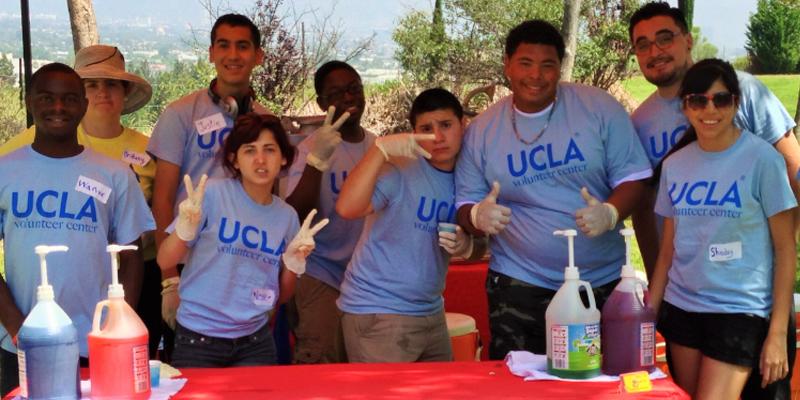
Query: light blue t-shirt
{"points": [[231, 277], [590, 142], [660, 122], [85, 202], [720, 203], [335, 243], [190, 133], [398, 266]]}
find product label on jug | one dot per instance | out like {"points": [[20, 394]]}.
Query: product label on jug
{"points": [[647, 343], [141, 369], [575, 347], [23, 374]]}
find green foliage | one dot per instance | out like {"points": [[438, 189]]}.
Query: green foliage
{"points": [[702, 48], [687, 8], [6, 71], [12, 113], [773, 37], [471, 52], [182, 79], [741, 63]]}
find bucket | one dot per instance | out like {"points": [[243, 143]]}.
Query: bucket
{"points": [[464, 337]]}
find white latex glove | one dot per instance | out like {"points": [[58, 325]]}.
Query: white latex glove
{"points": [[190, 209], [488, 216], [294, 258], [458, 244], [326, 138], [403, 145], [597, 218], [170, 300]]}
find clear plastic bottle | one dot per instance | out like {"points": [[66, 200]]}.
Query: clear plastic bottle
{"points": [[47, 345], [628, 323], [118, 355], [573, 330]]}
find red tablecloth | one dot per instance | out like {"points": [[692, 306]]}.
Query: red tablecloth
{"points": [[465, 293], [449, 380]]}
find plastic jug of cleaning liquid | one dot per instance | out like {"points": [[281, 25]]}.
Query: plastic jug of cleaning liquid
{"points": [[628, 323], [118, 359], [47, 345], [573, 330]]}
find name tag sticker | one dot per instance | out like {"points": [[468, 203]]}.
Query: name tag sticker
{"points": [[210, 124], [263, 297], [135, 158], [93, 188], [725, 251]]}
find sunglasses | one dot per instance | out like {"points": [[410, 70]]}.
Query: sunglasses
{"points": [[699, 101]]}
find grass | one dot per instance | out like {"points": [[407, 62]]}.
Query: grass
{"points": [[784, 86]]}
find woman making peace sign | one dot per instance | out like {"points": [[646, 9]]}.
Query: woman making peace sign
{"points": [[235, 237]]}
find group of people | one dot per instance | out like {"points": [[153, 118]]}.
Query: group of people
{"points": [[363, 274]]}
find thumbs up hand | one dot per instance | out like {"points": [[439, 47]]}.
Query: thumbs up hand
{"points": [[596, 218], [488, 216]]}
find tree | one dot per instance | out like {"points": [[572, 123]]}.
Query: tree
{"points": [[83, 23], [6, 71], [687, 9], [569, 29], [702, 48], [773, 36]]}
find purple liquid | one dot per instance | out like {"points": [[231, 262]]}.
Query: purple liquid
{"points": [[628, 335]]}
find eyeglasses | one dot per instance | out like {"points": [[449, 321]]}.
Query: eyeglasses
{"points": [[664, 39], [353, 89], [699, 101]]}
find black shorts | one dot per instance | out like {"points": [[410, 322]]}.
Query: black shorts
{"points": [[731, 338]]}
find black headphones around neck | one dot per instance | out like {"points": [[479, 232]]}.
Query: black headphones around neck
{"points": [[231, 105]]}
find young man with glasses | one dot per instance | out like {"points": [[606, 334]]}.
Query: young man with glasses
{"points": [[662, 44], [551, 156], [315, 179]]}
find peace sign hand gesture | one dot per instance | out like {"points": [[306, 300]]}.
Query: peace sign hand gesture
{"points": [[190, 209], [294, 258], [326, 138]]}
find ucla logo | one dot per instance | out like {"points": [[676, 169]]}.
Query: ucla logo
{"points": [[56, 208], [435, 210], [660, 146], [250, 236], [705, 193], [334, 188], [207, 141], [543, 157]]}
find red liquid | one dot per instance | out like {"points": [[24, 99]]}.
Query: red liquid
{"points": [[119, 367], [628, 335]]}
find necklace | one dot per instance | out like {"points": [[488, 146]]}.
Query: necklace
{"points": [[541, 132]]}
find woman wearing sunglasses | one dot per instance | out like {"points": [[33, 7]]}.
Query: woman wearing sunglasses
{"points": [[724, 276]]}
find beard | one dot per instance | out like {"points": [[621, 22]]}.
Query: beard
{"points": [[670, 78]]}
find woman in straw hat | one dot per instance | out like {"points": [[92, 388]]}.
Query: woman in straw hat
{"points": [[113, 92]]}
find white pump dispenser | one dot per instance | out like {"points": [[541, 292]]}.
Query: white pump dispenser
{"points": [[45, 290], [115, 289], [571, 271]]}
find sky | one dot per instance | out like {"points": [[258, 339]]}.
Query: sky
{"points": [[724, 26]]}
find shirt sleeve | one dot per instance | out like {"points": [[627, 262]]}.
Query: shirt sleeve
{"points": [[625, 157], [387, 188], [168, 140], [663, 202], [471, 185], [131, 216], [774, 191], [760, 111]]}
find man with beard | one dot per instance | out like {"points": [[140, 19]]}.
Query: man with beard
{"points": [[662, 44], [315, 179]]}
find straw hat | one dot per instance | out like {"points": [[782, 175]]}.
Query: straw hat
{"points": [[107, 62]]}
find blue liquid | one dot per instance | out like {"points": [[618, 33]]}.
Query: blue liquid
{"points": [[51, 361]]}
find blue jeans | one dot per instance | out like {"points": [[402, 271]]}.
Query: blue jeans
{"points": [[195, 350]]}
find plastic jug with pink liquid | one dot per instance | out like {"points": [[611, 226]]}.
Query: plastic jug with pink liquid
{"points": [[628, 323], [118, 355]]}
